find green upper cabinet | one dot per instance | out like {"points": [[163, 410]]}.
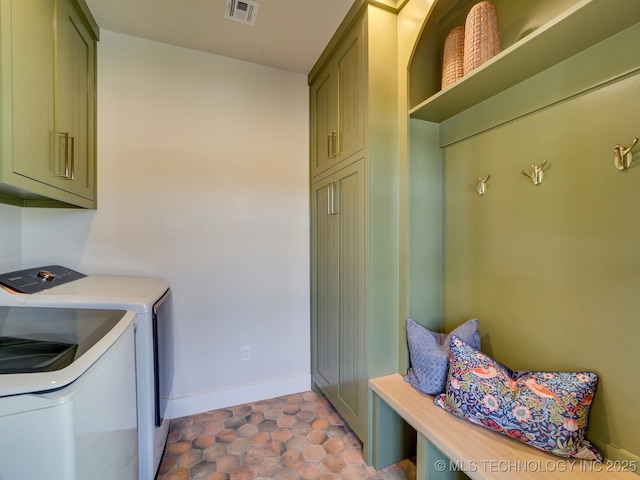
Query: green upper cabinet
{"points": [[48, 70], [337, 105]]}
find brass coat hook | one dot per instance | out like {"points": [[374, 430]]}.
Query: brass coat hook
{"points": [[481, 186], [537, 173], [623, 156]]}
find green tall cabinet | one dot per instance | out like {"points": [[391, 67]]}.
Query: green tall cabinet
{"points": [[354, 236], [48, 73]]}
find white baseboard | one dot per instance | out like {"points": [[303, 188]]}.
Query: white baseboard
{"points": [[204, 402]]}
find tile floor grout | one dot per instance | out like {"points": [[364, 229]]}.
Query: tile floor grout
{"points": [[299, 436]]}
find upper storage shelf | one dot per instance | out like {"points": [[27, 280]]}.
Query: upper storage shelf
{"points": [[561, 34]]}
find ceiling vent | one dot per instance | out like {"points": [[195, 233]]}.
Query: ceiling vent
{"points": [[243, 11]]}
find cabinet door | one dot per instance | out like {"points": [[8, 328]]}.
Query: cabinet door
{"points": [[338, 292], [326, 288], [337, 105], [75, 84], [324, 125], [28, 54], [351, 91], [352, 387]]}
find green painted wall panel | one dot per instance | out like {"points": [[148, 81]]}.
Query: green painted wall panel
{"points": [[424, 265], [553, 271]]}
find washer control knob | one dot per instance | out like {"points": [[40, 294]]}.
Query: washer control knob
{"points": [[46, 275]]}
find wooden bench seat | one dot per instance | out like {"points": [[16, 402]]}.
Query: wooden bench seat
{"points": [[447, 445]]}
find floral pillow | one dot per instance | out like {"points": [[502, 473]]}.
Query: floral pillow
{"points": [[429, 354], [548, 410]]}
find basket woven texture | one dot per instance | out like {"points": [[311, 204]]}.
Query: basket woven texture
{"points": [[453, 57], [482, 36]]}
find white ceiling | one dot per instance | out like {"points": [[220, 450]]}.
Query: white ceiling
{"points": [[289, 34]]}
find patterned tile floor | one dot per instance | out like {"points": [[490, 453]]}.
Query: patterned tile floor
{"points": [[297, 436]]}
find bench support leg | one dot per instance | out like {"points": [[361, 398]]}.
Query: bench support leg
{"points": [[391, 439], [432, 464]]}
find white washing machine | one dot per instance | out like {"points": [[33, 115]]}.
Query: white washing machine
{"points": [[67, 394], [150, 300]]}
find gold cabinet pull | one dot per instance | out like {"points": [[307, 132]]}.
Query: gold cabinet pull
{"points": [[72, 160], [335, 187], [332, 149], [331, 198], [334, 144], [65, 174], [69, 156]]}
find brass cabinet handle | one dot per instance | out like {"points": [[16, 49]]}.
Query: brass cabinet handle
{"points": [[72, 162], [65, 174], [331, 198], [331, 144], [334, 144], [69, 156]]}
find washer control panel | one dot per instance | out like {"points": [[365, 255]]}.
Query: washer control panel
{"points": [[34, 280]]}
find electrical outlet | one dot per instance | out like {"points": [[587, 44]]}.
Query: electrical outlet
{"points": [[246, 354]]}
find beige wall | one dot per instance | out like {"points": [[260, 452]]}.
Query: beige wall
{"points": [[10, 249]]}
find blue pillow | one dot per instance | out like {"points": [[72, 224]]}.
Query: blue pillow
{"points": [[429, 354], [547, 410]]}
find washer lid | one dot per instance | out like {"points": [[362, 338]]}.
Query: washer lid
{"points": [[48, 348]]}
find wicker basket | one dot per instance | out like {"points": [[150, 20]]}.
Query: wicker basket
{"points": [[453, 57], [482, 36]]}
